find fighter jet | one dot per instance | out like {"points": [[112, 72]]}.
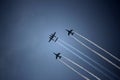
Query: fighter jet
{"points": [[70, 32], [57, 55], [52, 37]]}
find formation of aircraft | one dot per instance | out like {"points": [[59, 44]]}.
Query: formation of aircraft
{"points": [[57, 55], [53, 37], [70, 32]]}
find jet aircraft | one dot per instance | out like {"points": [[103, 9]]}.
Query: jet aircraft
{"points": [[57, 55], [70, 32], [53, 37]]}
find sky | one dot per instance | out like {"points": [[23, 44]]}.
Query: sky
{"points": [[25, 26]]}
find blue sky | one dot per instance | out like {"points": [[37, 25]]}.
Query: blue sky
{"points": [[25, 53]]}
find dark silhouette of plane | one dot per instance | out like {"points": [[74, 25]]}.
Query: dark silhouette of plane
{"points": [[58, 55], [52, 37], [70, 32]]}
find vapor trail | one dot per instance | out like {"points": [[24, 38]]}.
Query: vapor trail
{"points": [[97, 46], [96, 52], [83, 60], [81, 67], [74, 70], [87, 57]]}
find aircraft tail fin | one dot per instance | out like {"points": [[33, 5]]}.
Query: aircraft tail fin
{"points": [[56, 39], [60, 57], [72, 33]]}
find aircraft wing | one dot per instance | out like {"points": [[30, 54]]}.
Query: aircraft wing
{"points": [[54, 34], [56, 57], [58, 53], [68, 33], [49, 40]]}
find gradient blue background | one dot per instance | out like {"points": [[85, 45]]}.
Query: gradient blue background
{"points": [[25, 53]]}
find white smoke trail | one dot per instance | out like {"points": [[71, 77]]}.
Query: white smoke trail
{"points": [[81, 67], [74, 70], [96, 52], [88, 57], [84, 60], [97, 46]]}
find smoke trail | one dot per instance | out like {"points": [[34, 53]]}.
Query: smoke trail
{"points": [[96, 53], [87, 57], [81, 67], [97, 46], [74, 70], [84, 60]]}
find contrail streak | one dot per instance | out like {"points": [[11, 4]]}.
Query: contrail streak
{"points": [[87, 57], [97, 46], [74, 70], [81, 67], [83, 60], [96, 52]]}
